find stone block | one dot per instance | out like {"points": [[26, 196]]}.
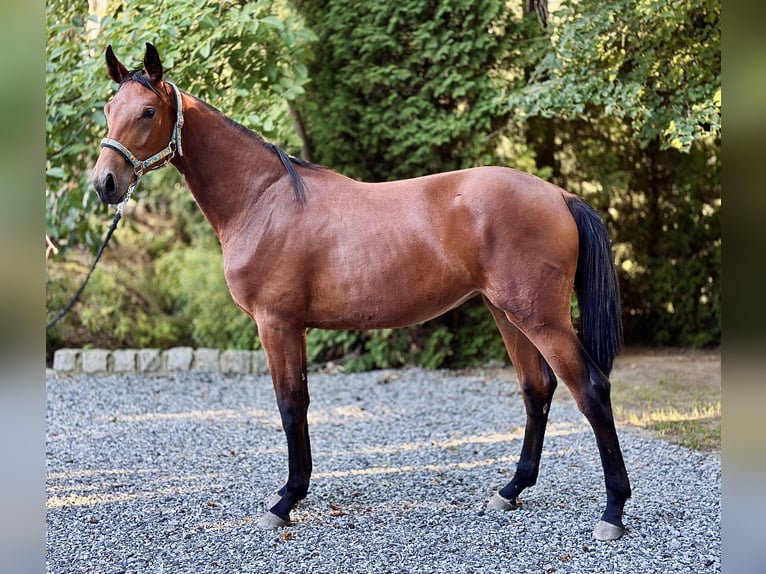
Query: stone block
{"points": [[66, 360], [260, 364], [149, 360], [123, 360], [95, 360], [206, 359], [232, 361], [178, 358]]}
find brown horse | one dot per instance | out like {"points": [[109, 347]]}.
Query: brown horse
{"points": [[304, 246]]}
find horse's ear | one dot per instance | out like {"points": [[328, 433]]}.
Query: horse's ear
{"points": [[116, 70], [152, 64]]}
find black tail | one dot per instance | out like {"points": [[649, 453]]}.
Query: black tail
{"points": [[598, 293]]}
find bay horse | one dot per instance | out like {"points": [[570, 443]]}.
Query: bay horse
{"points": [[306, 247]]}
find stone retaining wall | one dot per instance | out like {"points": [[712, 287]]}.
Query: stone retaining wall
{"points": [[156, 360]]}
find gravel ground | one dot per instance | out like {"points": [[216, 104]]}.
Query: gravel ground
{"points": [[168, 473]]}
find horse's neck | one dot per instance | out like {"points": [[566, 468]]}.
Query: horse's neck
{"points": [[225, 168]]}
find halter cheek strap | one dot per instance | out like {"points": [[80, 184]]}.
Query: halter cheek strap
{"points": [[158, 160]]}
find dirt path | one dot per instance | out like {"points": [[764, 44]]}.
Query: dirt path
{"points": [[697, 368]]}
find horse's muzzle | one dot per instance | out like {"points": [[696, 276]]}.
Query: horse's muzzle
{"points": [[106, 188]]}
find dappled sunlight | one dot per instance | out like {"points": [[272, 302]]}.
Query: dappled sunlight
{"points": [[202, 415], [91, 487], [559, 429], [94, 473], [87, 499], [344, 413], [271, 417], [384, 470], [673, 415], [103, 486], [554, 429]]}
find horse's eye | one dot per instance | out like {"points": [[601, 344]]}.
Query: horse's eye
{"points": [[148, 113]]}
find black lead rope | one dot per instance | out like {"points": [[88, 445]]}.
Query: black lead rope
{"points": [[117, 217]]}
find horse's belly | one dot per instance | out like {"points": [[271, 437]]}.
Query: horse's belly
{"points": [[387, 307]]}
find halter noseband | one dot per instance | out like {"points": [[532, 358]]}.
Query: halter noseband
{"points": [[158, 160]]}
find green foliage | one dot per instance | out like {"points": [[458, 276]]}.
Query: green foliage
{"points": [[192, 278], [120, 307], [150, 291], [627, 86], [603, 103], [652, 63], [477, 340], [463, 337], [73, 117], [247, 58], [671, 230], [405, 88], [126, 312], [427, 345], [663, 208]]}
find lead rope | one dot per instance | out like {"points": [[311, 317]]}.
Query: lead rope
{"points": [[112, 227]]}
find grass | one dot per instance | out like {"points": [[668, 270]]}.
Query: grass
{"points": [[697, 428], [673, 394], [683, 406]]}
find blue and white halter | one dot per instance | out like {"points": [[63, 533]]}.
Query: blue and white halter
{"points": [[156, 161]]}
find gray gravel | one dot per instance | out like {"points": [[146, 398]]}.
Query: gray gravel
{"points": [[168, 473]]}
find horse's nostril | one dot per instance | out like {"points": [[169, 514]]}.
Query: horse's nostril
{"points": [[109, 185]]}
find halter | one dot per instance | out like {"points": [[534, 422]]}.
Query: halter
{"points": [[156, 161]]}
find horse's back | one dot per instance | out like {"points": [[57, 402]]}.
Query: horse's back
{"points": [[369, 255]]}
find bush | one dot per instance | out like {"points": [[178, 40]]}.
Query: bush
{"points": [[120, 307], [406, 88], [192, 278], [426, 345]]}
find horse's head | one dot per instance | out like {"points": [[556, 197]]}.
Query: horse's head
{"points": [[143, 116]]}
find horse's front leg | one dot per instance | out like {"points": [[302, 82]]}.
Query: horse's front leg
{"points": [[285, 347]]}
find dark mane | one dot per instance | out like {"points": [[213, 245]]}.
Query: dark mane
{"points": [[288, 161], [299, 188]]}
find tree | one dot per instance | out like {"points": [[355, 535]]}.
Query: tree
{"points": [[406, 88], [652, 63], [632, 92]]}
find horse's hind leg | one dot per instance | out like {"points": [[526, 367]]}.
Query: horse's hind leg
{"points": [[537, 383], [591, 391]]}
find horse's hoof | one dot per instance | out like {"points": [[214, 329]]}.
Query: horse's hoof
{"points": [[272, 500], [606, 531], [269, 521], [497, 502]]}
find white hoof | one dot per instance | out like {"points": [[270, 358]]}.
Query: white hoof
{"points": [[497, 502], [272, 500], [269, 521], [606, 531]]}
